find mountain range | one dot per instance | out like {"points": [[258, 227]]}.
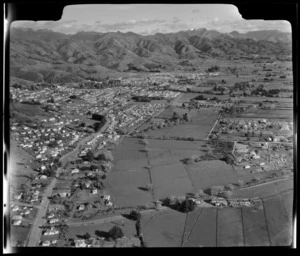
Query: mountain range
{"points": [[45, 55]]}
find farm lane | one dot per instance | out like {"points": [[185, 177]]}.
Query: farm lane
{"points": [[114, 218]]}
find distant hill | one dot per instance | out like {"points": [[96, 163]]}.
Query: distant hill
{"points": [[44, 55]]}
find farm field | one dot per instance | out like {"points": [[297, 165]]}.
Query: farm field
{"points": [[18, 160], [126, 187], [279, 226], [18, 235], [197, 132], [204, 231], [101, 230], [265, 224], [265, 190], [205, 174], [170, 180], [255, 226], [163, 229], [230, 227]]}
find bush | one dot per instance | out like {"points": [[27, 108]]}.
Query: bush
{"points": [[200, 192], [229, 187], [214, 191], [149, 186], [240, 183], [86, 236], [135, 215], [226, 194], [106, 156], [115, 232]]}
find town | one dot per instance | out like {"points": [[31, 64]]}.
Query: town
{"points": [[75, 136]]}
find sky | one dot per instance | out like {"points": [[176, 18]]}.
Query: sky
{"points": [[148, 19]]}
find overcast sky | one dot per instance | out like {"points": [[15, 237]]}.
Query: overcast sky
{"points": [[148, 19]]}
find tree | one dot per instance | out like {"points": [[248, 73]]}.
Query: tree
{"points": [[135, 215], [226, 194], [86, 236], [215, 190], [90, 156], [106, 156], [115, 232]]}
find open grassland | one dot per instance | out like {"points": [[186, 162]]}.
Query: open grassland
{"points": [[170, 180], [101, 229], [164, 229], [204, 231], [279, 226], [265, 190], [18, 235], [19, 159], [205, 174], [255, 226], [127, 188], [267, 223], [230, 227]]}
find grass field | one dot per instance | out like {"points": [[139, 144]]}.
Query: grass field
{"points": [[255, 226], [18, 173], [230, 227], [98, 230], [163, 229], [170, 180], [126, 188], [205, 174], [267, 223], [18, 235], [279, 226], [204, 232]]}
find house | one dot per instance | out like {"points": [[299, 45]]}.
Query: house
{"points": [[94, 192], [17, 222], [81, 207], [80, 243], [18, 197], [46, 243], [17, 217], [75, 171], [16, 208], [53, 221], [51, 215]]}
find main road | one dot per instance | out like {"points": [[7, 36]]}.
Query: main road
{"points": [[35, 232]]}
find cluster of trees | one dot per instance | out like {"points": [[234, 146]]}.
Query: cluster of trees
{"points": [[260, 90], [182, 204], [213, 69]]}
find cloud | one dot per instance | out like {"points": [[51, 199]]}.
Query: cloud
{"points": [[175, 20], [68, 26], [129, 24], [174, 27], [123, 7], [242, 25]]}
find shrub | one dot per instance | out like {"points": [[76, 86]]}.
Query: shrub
{"points": [[115, 232], [256, 179], [149, 186], [135, 215], [240, 183], [215, 190], [229, 187], [226, 194]]}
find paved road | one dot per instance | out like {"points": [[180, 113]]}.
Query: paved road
{"points": [[36, 231]]}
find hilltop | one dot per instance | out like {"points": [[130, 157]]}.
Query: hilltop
{"points": [[45, 55]]}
